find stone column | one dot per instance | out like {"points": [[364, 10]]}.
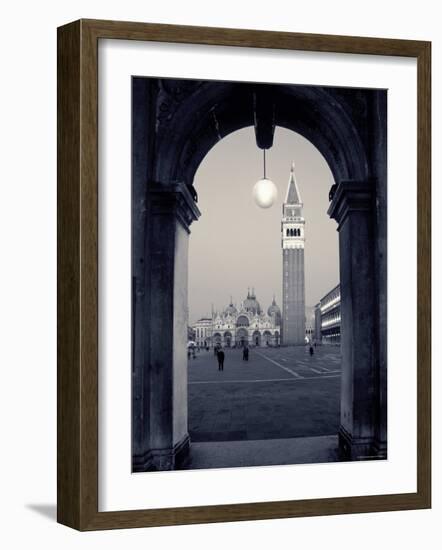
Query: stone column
{"points": [[352, 207], [171, 211]]}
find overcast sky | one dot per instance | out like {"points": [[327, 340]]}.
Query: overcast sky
{"points": [[235, 244]]}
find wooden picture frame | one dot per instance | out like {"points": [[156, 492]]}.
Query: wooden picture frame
{"points": [[78, 274]]}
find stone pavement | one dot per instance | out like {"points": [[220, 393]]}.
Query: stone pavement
{"points": [[268, 452], [279, 393]]}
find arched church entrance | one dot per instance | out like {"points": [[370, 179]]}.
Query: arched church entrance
{"points": [[276, 338], [228, 339], [242, 337], [177, 122], [256, 338], [217, 338]]}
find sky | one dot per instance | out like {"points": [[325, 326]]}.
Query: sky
{"points": [[236, 244]]}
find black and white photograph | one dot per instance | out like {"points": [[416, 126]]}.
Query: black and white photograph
{"points": [[259, 274], [220, 241]]}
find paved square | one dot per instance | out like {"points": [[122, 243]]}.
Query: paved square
{"points": [[278, 393]]}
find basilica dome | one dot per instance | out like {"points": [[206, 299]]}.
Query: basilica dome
{"points": [[274, 310], [230, 309], [251, 304]]}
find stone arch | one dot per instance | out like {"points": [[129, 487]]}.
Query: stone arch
{"points": [[242, 321], [209, 111], [176, 124]]}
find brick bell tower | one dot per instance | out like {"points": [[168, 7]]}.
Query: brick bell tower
{"points": [[293, 289]]}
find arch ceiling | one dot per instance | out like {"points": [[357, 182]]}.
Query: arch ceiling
{"points": [[192, 116]]}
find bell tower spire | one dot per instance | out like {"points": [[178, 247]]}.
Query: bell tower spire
{"points": [[293, 196]]}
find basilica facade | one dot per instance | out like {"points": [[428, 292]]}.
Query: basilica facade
{"points": [[246, 325]]}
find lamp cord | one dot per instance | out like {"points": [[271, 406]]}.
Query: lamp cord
{"points": [[264, 163]]}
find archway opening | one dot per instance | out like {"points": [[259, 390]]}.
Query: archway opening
{"points": [[236, 276]]}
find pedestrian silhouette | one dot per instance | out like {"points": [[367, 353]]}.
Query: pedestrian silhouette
{"points": [[245, 354], [311, 351], [220, 357]]}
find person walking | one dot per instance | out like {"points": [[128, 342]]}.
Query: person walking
{"points": [[311, 350], [220, 357], [245, 353]]}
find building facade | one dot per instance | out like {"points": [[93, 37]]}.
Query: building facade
{"points": [[328, 318], [309, 324], [293, 288], [203, 332], [247, 325]]}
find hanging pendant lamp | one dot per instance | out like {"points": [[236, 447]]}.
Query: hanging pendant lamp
{"points": [[264, 190]]}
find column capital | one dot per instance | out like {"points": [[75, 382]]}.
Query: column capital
{"points": [[173, 199], [351, 196]]}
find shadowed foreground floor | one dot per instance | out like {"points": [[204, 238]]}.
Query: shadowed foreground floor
{"points": [[230, 454]]}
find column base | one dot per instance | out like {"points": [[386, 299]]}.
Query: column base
{"points": [[155, 460], [380, 448], [360, 448]]}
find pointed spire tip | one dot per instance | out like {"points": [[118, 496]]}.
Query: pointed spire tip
{"points": [[293, 196]]}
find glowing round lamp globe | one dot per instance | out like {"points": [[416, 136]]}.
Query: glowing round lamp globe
{"points": [[264, 193]]}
